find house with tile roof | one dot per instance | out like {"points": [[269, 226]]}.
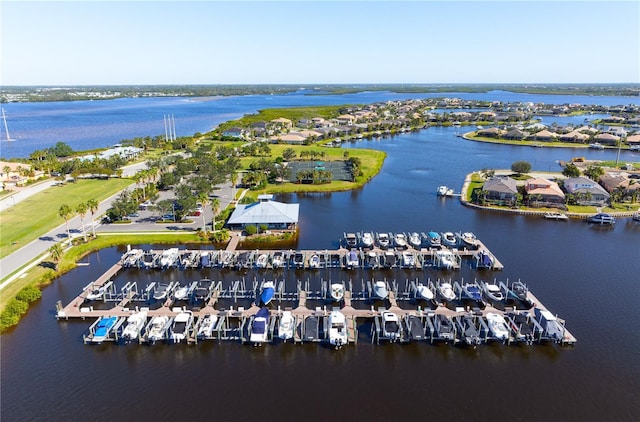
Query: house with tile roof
{"points": [[543, 193]]}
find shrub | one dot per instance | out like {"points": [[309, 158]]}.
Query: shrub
{"points": [[29, 294], [251, 230], [521, 167]]}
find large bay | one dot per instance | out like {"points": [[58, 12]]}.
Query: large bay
{"points": [[587, 275]]}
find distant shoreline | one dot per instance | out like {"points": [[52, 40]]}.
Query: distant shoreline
{"points": [[12, 94]]}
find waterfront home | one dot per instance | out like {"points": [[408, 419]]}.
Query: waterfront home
{"points": [[235, 132], [501, 190], [586, 191], [492, 132], [282, 124], [634, 140], [544, 135], [516, 134], [17, 174], [606, 139], [265, 212], [542, 192], [619, 181], [574, 136]]}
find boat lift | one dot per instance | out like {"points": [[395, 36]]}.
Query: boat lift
{"points": [[112, 334]]}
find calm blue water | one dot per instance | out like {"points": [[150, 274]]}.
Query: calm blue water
{"points": [[587, 275], [97, 124]]}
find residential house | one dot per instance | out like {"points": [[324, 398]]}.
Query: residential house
{"points": [[606, 139], [17, 174], [265, 212], [574, 136], [586, 191], [290, 138], [282, 124], [620, 181], [236, 132], [492, 132], [501, 189], [544, 135], [543, 192], [633, 140], [515, 134]]}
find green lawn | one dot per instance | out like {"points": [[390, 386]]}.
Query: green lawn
{"points": [[371, 163], [31, 218]]}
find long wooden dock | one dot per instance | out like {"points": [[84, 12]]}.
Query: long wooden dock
{"points": [[83, 309]]}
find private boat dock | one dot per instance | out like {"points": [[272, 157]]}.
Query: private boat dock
{"points": [[433, 320]]}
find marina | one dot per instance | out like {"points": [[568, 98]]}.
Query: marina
{"points": [[274, 309]]}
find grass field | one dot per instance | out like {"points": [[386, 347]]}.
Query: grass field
{"points": [[293, 114], [36, 215]]}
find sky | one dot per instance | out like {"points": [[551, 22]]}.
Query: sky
{"points": [[301, 42]]}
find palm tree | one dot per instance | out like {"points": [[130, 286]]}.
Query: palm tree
{"points": [[65, 212], [215, 207], [81, 209], [203, 198], [56, 253], [92, 206], [234, 182]]}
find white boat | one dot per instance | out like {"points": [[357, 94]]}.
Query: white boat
{"points": [[445, 259], [497, 326], [423, 292], [367, 240], [181, 293], [636, 216], [596, 145], [469, 240], [449, 239], [493, 292], [416, 240], [259, 326], [262, 261], [314, 261], [442, 190], [98, 292], [446, 291], [383, 240], [337, 291], [135, 324], [156, 330], [400, 240], [169, 257], [390, 326], [286, 326], [602, 218], [161, 291], [206, 325], [337, 329], [181, 325], [556, 216], [277, 260], [351, 240], [380, 290], [408, 259]]}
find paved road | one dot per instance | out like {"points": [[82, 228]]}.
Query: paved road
{"points": [[144, 223]]}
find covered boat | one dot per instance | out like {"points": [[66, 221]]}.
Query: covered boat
{"points": [[266, 292], [259, 326], [103, 328]]}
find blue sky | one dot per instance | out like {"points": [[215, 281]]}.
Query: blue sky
{"points": [[216, 42]]}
